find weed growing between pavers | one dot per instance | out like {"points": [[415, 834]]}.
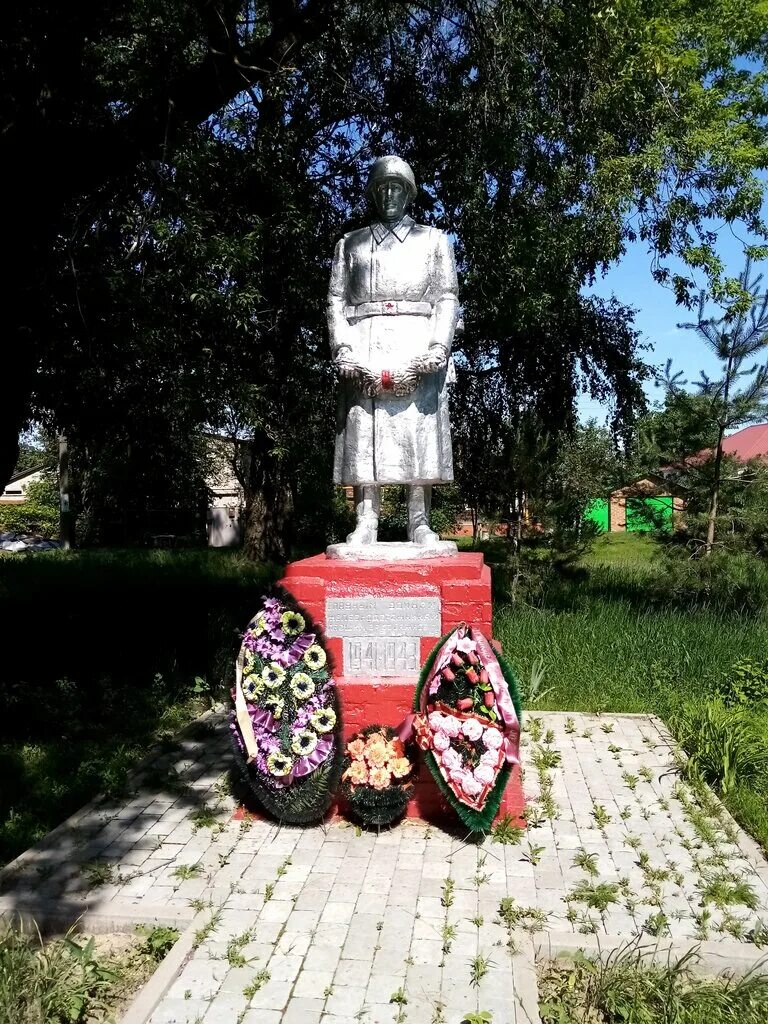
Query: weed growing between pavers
{"points": [[506, 831], [479, 966], [514, 916]]}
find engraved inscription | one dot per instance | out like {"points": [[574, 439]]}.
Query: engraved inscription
{"points": [[381, 656], [382, 616], [382, 634]]}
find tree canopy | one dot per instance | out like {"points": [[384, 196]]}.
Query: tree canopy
{"points": [[180, 173]]}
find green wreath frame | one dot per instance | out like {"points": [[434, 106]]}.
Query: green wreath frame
{"points": [[476, 821]]}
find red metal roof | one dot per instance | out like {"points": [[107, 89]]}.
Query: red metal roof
{"points": [[749, 443], [746, 444]]}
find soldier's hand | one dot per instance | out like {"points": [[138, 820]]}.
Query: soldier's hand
{"points": [[370, 382], [433, 361], [347, 369], [405, 381]]}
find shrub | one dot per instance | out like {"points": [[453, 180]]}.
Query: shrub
{"points": [[746, 684], [725, 580], [726, 746], [29, 517]]}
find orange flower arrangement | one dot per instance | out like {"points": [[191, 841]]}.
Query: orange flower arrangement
{"points": [[356, 749], [357, 773], [376, 778], [380, 778]]}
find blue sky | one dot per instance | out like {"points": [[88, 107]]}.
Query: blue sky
{"points": [[658, 314]]}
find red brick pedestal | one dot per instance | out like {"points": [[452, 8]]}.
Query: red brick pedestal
{"points": [[461, 585]]}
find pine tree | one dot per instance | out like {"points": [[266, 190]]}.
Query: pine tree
{"points": [[740, 395]]}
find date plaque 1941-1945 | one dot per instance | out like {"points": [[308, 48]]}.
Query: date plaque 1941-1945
{"points": [[382, 635]]}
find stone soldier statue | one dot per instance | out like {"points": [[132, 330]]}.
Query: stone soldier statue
{"points": [[392, 312]]}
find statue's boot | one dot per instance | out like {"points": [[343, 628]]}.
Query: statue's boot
{"points": [[367, 506], [419, 503]]}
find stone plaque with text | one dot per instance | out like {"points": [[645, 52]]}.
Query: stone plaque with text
{"points": [[382, 634]]}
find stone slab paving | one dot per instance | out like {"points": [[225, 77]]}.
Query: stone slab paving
{"points": [[333, 925]]}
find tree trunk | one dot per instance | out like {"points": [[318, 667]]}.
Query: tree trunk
{"points": [[475, 514], [519, 523], [714, 496], [268, 508]]}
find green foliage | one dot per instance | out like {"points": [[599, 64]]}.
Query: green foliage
{"points": [[186, 871], [598, 895], [586, 861], [61, 982], [45, 491], [746, 684], [726, 746], [723, 890], [625, 985], [506, 831], [679, 428], [447, 505], [29, 517], [259, 980], [588, 465], [479, 966], [158, 940], [740, 395], [726, 580], [97, 873], [514, 915], [190, 288]]}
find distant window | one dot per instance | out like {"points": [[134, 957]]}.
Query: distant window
{"points": [[10, 490]]}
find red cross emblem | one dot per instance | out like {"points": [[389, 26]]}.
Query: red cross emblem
{"points": [[389, 305]]}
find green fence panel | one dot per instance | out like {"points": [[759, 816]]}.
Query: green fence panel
{"points": [[597, 512], [645, 514]]}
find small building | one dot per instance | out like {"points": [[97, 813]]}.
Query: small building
{"points": [[226, 503], [645, 504], [15, 490]]}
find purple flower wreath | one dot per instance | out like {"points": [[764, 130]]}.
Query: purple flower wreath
{"points": [[285, 725]]}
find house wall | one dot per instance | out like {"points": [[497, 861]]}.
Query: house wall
{"points": [[678, 512], [617, 510], [617, 514], [16, 491]]}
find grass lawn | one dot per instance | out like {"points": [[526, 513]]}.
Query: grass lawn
{"points": [[634, 550], [603, 648], [606, 643]]}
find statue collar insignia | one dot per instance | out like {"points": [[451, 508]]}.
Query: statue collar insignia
{"points": [[401, 230]]}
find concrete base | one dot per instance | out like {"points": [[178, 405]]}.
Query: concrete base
{"points": [[391, 551]]}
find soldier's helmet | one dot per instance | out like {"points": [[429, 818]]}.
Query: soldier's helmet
{"points": [[391, 167]]}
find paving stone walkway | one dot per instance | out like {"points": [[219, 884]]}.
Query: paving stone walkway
{"points": [[333, 925]]}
